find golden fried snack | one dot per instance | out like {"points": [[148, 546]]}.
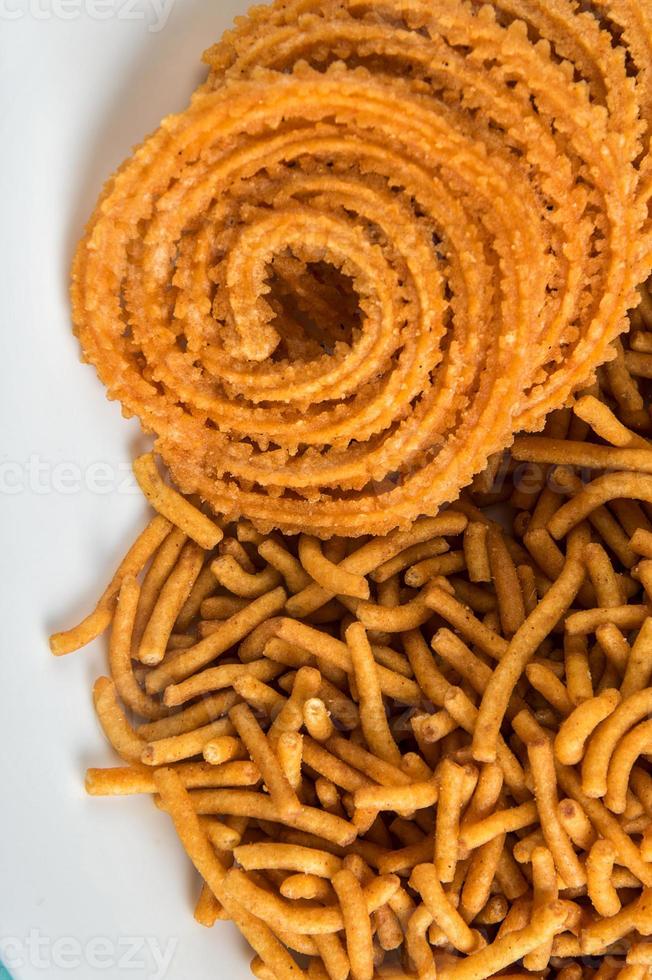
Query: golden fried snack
{"points": [[317, 719], [568, 865], [177, 802], [207, 910], [545, 889], [372, 711], [359, 261], [521, 650], [120, 653], [172, 505], [425, 880], [450, 782], [96, 622], [599, 869], [357, 924], [259, 747], [222, 749], [163, 751], [383, 238], [169, 603], [115, 725], [127, 780], [289, 749]]}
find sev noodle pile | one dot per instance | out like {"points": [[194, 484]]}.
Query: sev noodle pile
{"points": [[425, 755], [384, 236]]}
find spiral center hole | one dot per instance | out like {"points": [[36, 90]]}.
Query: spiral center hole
{"points": [[316, 307]]}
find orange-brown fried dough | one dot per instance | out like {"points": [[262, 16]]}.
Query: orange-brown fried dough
{"points": [[383, 237]]}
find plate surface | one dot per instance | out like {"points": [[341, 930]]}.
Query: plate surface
{"points": [[90, 887]]}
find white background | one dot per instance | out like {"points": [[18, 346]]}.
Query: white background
{"points": [[76, 93]]}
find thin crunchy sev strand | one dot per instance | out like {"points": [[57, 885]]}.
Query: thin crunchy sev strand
{"points": [[172, 505], [520, 651], [382, 238], [178, 804], [96, 622], [357, 924]]}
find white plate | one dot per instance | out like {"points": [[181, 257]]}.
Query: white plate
{"points": [[90, 887]]}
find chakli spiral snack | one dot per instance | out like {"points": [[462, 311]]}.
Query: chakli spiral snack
{"points": [[383, 237], [418, 756]]}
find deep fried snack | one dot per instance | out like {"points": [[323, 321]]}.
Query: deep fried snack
{"points": [[637, 486], [97, 621], [223, 748], [126, 781], [203, 855], [120, 653], [547, 923], [163, 751], [606, 738], [544, 778], [606, 425], [289, 749], [160, 568], [384, 237], [260, 750], [187, 662], [169, 603], [246, 585], [179, 511], [431, 819], [327, 573], [635, 743], [305, 920], [273, 552], [330, 323], [450, 781], [425, 880], [521, 650], [580, 724], [599, 868], [546, 891], [208, 709], [499, 822], [372, 710], [506, 582], [245, 803], [357, 924], [598, 936], [317, 719], [638, 670], [126, 742]]}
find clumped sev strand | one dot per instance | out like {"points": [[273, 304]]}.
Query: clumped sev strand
{"points": [[120, 653], [372, 710], [203, 856], [521, 650], [167, 502], [410, 795], [97, 621], [414, 800]]}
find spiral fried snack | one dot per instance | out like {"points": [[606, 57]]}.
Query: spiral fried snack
{"points": [[383, 237]]}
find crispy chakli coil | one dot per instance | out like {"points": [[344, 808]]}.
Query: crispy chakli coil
{"points": [[362, 259]]}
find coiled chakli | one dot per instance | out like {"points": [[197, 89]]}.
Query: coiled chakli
{"points": [[384, 236]]}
